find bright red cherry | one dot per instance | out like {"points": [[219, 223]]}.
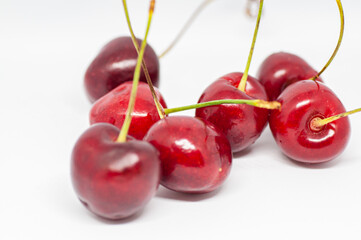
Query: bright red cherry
{"points": [[115, 64], [112, 108], [280, 70], [113, 180], [242, 124], [293, 125], [195, 156]]}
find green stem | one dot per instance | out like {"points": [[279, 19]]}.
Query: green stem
{"points": [[242, 83], [185, 27], [255, 103], [128, 119], [318, 123], [342, 17], [147, 76]]}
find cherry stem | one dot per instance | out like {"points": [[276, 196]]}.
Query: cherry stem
{"points": [[186, 27], [128, 118], [319, 122], [147, 76], [342, 17], [242, 83], [256, 103]]}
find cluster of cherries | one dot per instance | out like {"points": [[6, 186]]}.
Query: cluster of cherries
{"points": [[116, 172]]}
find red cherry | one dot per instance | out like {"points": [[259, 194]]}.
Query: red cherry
{"points": [[282, 69], [113, 180], [302, 103], [242, 124], [115, 64], [195, 156], [112, 108]]}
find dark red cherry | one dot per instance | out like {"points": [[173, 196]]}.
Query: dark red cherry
{"points": [[195, 156], [115, 64], [112, 108], [113, 180], [292, 127], [242, 124], [280, 70]]}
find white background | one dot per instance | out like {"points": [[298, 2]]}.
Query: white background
{"points": [[45, 48]]}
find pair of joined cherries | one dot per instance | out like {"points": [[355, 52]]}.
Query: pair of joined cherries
{"points": [[116, 172]]}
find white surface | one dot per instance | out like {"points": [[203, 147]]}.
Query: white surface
{"points": [[44, 51]]}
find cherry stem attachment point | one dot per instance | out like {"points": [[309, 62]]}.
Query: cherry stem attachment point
{"points": [[242, 83], [318, 123], [145, 69], [256, 103], [186, 27], [128, 118], [342, 18]]}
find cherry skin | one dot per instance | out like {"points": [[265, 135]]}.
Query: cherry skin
{"points": [[292, 127], [242, 124], [112, 108], [195, 156], [115, 64], [280, 70], [113, 180]]}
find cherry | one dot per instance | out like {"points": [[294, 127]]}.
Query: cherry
{"points": [[242, 124], [114, 175], [280, 70], [115, 64], [113, 180], [195, 156], [306, 128], [294, 129], [112, 108]]}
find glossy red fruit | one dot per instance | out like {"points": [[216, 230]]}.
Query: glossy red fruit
{"points": [[115, 64], [292, 129], [195, 156], [112, 108], [280, 70], [242, 124], [113, 180]]}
